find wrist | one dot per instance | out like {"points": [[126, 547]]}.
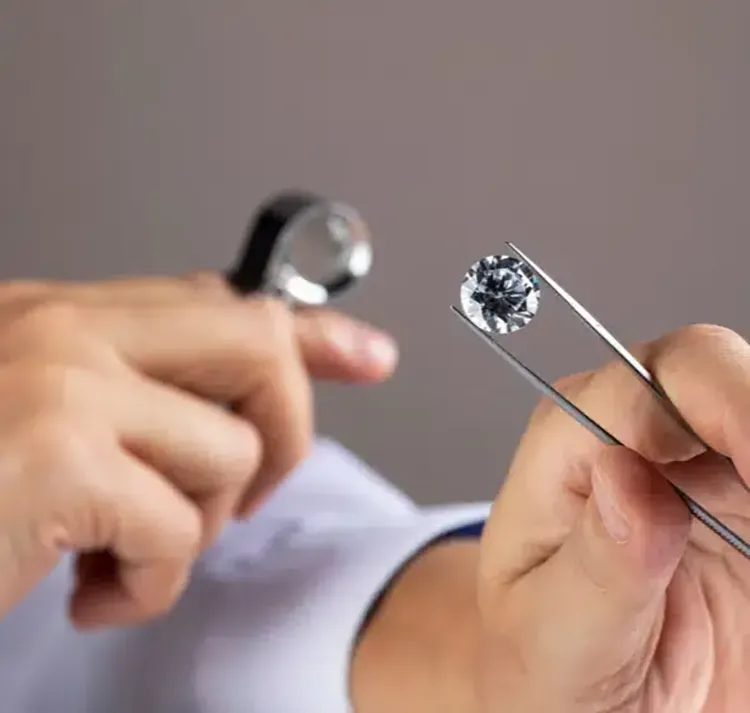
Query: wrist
{"points": [[420, 648]]}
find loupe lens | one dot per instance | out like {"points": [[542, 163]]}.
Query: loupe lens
{"points": [[313, 248], [321, 242]]}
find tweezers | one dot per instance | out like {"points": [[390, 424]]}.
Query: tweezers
{"points": [[697, 510]]}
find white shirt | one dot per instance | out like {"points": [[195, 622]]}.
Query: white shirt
{"points": [[267, 623]]}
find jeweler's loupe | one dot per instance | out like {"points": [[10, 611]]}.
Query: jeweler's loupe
{"points": [[304, 249]]}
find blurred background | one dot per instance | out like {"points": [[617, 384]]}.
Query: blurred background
{"points": [[609, 140]]}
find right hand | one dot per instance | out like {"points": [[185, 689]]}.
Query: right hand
{"points": [[597, 590], [115, 442]]}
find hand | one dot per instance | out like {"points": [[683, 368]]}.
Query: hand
{"points": [[597, 592], [115, 442]]}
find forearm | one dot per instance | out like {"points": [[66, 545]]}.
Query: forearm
{"points": [[419, 651]]}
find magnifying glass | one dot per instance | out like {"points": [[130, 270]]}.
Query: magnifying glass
{"points": [[304, 249]]}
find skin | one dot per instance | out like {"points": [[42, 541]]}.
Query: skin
{"points": [[115, 439], [592, 590]]}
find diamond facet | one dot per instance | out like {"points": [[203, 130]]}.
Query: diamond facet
{"points": [[500, 294]]}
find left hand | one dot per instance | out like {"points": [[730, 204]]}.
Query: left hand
{"points": [[116, 441]]}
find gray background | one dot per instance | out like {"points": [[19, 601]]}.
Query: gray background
{"points": [[608, 139]]}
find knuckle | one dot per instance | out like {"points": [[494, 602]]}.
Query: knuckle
{"points": [[57, 435], [158, 601], [50, 317], [55, 331], [701, 332], [247, 454], [58, 448], [693, 336], [56, 389], [19, 294], [185, 533], [60, 441], [180, 546]]}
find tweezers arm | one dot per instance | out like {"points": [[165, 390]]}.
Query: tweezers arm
{"points": [[696, 509], [615, 345]]}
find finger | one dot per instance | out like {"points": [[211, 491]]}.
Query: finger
{"points": [[338, 347], [153, 533], [67, 320], [170, 337], [595, 607], [209, 454], [141, 291], [706, 372], [704, 369], [243, 352], [333, 346], [248, 355], [205, 451], [21, 292], [278, 401], [198, 344]]}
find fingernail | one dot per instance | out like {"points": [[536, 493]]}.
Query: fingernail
{"points": [[613, 517], [381, 349], [358, 342]]}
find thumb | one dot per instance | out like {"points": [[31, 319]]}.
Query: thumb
{"points": [[610, 576], [340, 348]]}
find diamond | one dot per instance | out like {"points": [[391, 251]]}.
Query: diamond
{"points": [[500, 294]]}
